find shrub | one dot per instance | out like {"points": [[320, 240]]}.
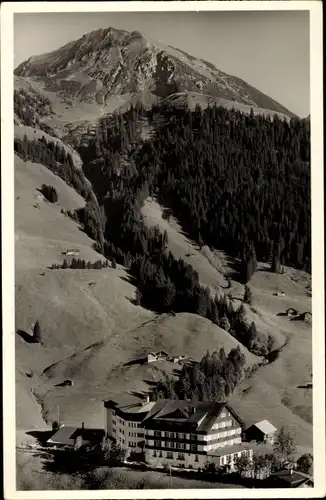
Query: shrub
{"points": [[50, 193], [247, 298], [55, 425], [37, 336], [305, 463]]}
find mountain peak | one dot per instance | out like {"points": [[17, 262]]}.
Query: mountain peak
{"points": [[107, 63]]}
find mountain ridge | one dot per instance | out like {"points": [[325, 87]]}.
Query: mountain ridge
{"points": [[106, 63]]}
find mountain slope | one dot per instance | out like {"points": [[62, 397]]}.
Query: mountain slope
{"points": [[108, 68], [90, 326]]}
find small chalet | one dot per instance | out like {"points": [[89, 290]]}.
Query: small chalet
{"points": [[66, 436], [72, 252], [291, 312], [263, 432], [290, 479], [157, 356]]}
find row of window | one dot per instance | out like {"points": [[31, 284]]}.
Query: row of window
{"points": [[176, 435], [122, 422], [171, 455], [222, 444], [174, 445], [223, 434], [229, 458], [222, 425]]}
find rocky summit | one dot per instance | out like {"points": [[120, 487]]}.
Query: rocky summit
{"points": [[108, 63]]}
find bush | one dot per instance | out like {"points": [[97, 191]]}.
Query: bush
{"points": [[247, 298], [37, 336], [55, 425], [305, 463], [50, 193]]}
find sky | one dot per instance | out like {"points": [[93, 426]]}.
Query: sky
{"points": [[267, 49]]}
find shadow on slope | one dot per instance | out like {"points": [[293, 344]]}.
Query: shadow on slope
{"points": [[27, 337]]}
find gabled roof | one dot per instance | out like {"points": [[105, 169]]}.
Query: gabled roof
{"points": [[265, 426], [63, 436], [67, 435], [294, 480], [202, 414]]}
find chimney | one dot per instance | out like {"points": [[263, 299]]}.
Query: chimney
{"points": [[83, 426], [146, 399]]}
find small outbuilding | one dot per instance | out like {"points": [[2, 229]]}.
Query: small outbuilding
{"points": [[162, 355], [263, 432], [151, 357], [291, 312], [290, 479], [66, 436]]}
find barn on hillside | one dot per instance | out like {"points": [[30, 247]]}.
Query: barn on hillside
{"points": [[263, 432]]}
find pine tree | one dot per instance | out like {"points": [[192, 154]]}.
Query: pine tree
{"points": [[37, 336], [247, 298], [284, 445]]}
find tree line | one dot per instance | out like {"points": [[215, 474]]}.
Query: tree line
{"points": [[163, 283], [212, 379], [83, 264], [54, 156], [248, 181]]}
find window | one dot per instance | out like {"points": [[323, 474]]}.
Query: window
{"points": [[181, 456], [193, 447], [157, 433], [166, 434], [171, 435], [154, 453], [161, 455], [183, 446], [193, 437], [196, 458], [157, 444], [169, 454], [177, 445]]}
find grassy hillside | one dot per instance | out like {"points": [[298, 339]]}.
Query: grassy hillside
{"points": [[90, 326], [273, 391]]}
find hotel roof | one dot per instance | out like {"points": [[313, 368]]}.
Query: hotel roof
{"points": [[200, 413]]}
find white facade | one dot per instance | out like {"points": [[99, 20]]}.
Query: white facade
{"points": [[173, 448], [127, 433], [229, 458], [174, 458]]}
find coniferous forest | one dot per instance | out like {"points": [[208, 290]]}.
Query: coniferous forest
{"points": [[236, 182]]}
